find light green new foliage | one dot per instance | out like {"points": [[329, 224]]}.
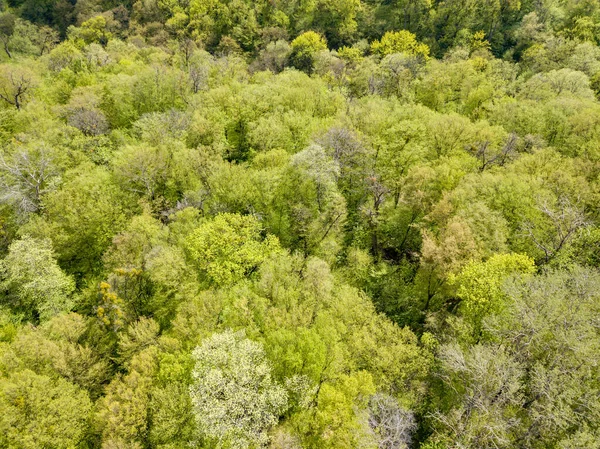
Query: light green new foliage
{"points": [[33, 279], [81, 218], [340, 419], [480, 283], [122, 414], [234, 397], [92, 30], [229, 247], [400, 42], [37, 411], [304, 49], [309, 43]]}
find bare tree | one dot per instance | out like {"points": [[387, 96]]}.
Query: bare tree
{"points": [[90, 122], [372, 211], [345, 147], [15, 85], [24, 177], [564, 219], [46, 39], [187, 47], [392, 424], [488, 156], [198, 75], [486, 383]]}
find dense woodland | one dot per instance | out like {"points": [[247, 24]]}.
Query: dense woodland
{"points": [[286, 224]]}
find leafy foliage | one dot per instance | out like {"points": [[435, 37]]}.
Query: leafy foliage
{"points": [[33, 281], [229, 248], [314, 224]]}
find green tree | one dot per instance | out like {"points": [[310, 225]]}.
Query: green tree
{"points": [[7, 28], [34, 282], [337, 20], [400, 42], [304, 49], [479, 284], [337, 423], [228, 248], [92, 30], [39, 411], [59, 348], [81, 219], [122, 414]]}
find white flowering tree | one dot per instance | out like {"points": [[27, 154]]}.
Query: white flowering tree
{"points": [[235, 399]]}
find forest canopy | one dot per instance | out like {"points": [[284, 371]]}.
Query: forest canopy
{"points": [[321, 224]]}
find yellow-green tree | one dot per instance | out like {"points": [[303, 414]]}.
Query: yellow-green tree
{"points": [[402, 41], [228, 248], [304, 49], [479, 284], [38, 411]]}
